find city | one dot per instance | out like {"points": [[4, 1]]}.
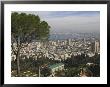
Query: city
{"points": [[59, 51], [55, 44]]}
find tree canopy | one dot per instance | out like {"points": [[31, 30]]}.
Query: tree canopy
{"points": [[24, 29], [28, 27]]}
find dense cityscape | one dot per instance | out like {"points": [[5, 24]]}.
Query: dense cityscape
{"points": [[55, 44], [59, 51]]}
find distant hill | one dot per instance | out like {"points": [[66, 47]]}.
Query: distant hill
{"points": [[61, 36]]}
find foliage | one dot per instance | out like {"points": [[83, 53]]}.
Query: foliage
{"points": [[72, 72], [95, 69], [46, 71], [33, 65], [75, 61], [72, 69], [24, 29], [28, 26], [80, 61]]}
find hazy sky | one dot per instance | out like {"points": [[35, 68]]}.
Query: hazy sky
{"points": [[71, 21]]}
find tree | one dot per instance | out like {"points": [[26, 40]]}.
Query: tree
{"points": [[46, 72], [24, 29], [43, 31], [72, 72], [95, 69]]}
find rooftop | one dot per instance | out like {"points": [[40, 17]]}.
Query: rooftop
{"points": [[55, 65]]}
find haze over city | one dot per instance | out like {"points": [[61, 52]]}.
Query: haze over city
{"points": [[55, 44], [70, 21]]}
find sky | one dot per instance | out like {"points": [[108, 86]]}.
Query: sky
{"points": [[70, 21]]}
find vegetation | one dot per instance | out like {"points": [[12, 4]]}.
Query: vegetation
{"points": [[32, 65], [25, 28], [82, 59], [46, 71], [28, 27], [72, 72], [72, 66]]}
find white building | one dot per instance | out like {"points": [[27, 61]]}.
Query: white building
{"points": [[56, 67]]}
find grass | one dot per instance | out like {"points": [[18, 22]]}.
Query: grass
{"points": [[24, 74]]}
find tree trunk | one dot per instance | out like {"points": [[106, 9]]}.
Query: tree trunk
{"points": [[39, 71], [18, 64], [18, 58]]}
